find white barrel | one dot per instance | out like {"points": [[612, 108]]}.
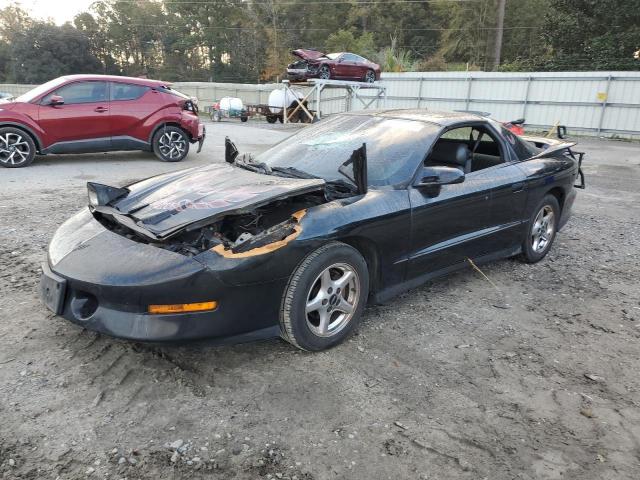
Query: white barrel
{"points": [[278, 100], [231, 103]]}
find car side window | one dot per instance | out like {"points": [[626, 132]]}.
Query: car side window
{"points": [[470, 148], [126, 91], [348, 57], [80, 92]]}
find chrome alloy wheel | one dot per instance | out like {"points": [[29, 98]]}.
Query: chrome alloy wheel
{"points": [[543, 229], [172, 145], [14, 150], [332, 299], [370, 77]]}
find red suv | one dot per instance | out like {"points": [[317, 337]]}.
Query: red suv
{"points": [[98, 113]]}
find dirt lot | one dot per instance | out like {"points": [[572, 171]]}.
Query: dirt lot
{"points": [[538, 379]]}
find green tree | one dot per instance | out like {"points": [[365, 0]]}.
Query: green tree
{"points": [[591, 35], [44, 51], [468, 33], [346, 41], [415, 27], [134, 32], [13, 21]]}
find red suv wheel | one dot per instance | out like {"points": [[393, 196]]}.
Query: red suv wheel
{"points": [[17, 148], [170, 144]]}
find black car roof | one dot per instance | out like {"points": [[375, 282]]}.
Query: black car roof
{"points": [[441, 118]]}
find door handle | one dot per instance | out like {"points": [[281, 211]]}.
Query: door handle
{"points": [[517, 187], [100, 109]]}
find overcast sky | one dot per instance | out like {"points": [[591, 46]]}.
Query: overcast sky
{"points": [[59, 11]]}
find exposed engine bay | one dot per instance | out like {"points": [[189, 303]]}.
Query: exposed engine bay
{"points": [[236, 233], [240, 233]]}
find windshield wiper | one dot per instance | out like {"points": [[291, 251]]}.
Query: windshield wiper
{"points": [[293, 172]]}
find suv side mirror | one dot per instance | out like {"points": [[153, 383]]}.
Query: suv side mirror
{"points": [[56, 100], [440, 175]]}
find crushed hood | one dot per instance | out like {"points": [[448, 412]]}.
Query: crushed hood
{"points": [[306, 54], [162, 206]]}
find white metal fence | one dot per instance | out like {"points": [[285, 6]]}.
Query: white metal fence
{"points": [[596, 103]]}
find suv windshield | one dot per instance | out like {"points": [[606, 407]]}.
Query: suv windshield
{"points": [[40, 89], [395, 147]]}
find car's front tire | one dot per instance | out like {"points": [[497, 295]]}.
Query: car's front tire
{"points": [[324, 73], [325, 297], [17, 148], [542, 229], [170, 144]]}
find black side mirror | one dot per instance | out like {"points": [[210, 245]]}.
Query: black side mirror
{"points": [[440, 175], [56, 100]]}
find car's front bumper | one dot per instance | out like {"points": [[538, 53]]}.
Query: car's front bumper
{"points": [[298, 74], [231, 322], [109, 282]]}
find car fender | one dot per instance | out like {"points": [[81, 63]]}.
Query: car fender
{"points": [[545, 174], [166, 116], [24, 122]]}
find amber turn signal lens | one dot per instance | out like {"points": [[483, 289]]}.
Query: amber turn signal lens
{"points": [[183, 307]]}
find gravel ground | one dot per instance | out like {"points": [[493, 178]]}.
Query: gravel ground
{"points": [[535, 379]]}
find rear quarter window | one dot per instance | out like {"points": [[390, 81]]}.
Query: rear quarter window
{"points": [[522, 148]]}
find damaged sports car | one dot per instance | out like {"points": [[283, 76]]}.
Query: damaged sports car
{"points": [[294, 242]]}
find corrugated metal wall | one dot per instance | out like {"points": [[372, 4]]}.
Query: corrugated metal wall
{"points": [[598, 103], [605, 103]]}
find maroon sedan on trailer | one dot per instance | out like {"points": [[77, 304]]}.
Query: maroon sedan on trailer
{"points": [[98, 113], [334, 66]]}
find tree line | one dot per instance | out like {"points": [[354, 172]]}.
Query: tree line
{"points": [[251, 40]]}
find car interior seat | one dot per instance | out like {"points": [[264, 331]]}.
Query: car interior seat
{"points": [[456, 154]]}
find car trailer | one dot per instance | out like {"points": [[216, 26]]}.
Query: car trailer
{"points": [[317, 86], [272, 117]]}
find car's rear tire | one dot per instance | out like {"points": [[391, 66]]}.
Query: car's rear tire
{"points": [[325, 297], [272, 118], [541, 230], [17, 148], [370, 76], [324, 73], [244, 119], [170, 144]]}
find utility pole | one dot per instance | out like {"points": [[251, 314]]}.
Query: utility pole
{"points": [[499, 29]]}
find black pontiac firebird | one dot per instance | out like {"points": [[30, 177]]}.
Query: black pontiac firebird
{"points": [[295, 241]]}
